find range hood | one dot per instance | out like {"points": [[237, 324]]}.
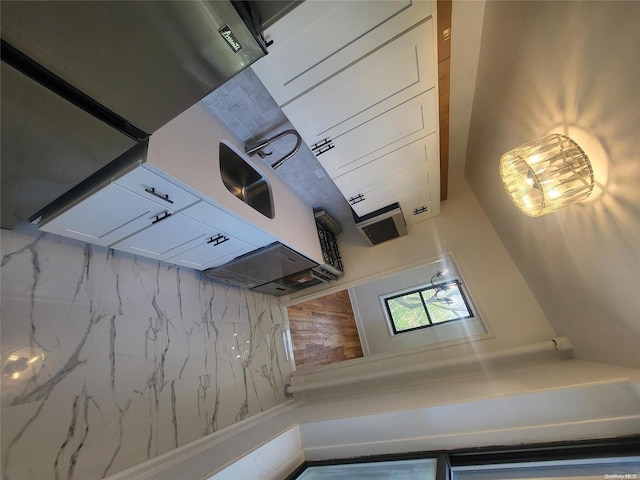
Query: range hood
{"points": [[261, 266], [83, 82]]}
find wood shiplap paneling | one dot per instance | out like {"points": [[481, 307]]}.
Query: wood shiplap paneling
{"points": [[324, 331], [444, 53]]}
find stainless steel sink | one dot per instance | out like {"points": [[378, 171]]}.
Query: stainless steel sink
{"points": [[245, 182]]}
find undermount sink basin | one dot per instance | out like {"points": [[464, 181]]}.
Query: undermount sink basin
{"points": [[245, 182]]}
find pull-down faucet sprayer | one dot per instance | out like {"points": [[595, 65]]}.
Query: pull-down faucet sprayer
{"points": [[257, 148]]}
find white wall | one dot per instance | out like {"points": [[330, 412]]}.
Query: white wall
{"points": [[374, 328], [560, 64], [501, 295], [271, 461], [565, 400]]}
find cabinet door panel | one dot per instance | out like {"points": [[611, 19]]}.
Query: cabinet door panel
{"points": [[383, 193], [217, 218], [156, 189], [165, 238], [105, 217], [419, 205], [211, 254], [387, 77], [317, 39], [381, 135], [383, 181]]}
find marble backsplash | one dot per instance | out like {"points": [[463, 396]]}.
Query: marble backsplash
{"points": [[130, 357]]}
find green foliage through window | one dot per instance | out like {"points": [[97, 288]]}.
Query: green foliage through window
{"points": [[427, 306]]}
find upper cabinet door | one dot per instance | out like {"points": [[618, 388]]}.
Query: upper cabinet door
{"points": [[388, 178], [318, 38], [389, 76], [380, 135]]}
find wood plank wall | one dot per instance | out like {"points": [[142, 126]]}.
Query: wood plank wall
{"points": [[324, 331], [444, 54]]}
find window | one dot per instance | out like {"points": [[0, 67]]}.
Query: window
{"points": [[583, 469], [428, 305], [421, 469], [383, 467]]}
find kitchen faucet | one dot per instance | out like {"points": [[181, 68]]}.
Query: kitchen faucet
{"points": [[257, 148]]}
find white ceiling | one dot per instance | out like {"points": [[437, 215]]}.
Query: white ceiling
{"points": [[544, 65]]}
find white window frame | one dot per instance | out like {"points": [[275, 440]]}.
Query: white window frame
{"points": [[444, 263]]}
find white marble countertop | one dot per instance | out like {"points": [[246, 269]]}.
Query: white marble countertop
{"points": [[186, 149]]}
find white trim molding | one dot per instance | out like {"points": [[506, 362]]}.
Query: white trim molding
{"points": [[205, 457]]}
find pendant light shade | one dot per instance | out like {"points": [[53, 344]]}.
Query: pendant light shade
{"points": [[546, 175]]}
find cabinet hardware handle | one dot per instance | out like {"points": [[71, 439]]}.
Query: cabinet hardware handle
{"points": [[218, 239], [322, 146], [161, 217], [152, 191], [357, 199], [419, 210]]}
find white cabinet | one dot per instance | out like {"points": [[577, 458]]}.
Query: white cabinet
{"points": [[389, 76], [119, 209], [389, 177], [213, 251], [381, 135], [358, 81], [318, 38], [214, 217], [157, 189], [419, 205], [183, 240], [148, 215], [105, 217], [164, 236]]}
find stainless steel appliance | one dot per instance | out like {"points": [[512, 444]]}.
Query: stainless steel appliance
{"points": [[82, 82], [262, 266], [382, 225], [278, 270]]}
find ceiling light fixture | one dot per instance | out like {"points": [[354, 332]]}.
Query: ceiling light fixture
{"points": [[546, 175]]}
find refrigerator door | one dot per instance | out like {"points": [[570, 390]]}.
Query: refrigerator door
{"points": [[147, 61], [82, 81], [48, 146]]}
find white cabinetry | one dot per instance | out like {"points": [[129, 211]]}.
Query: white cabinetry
{"points": [[318, 38], [145, 214], [363, 98], [389, 76], [215, 217], [185, 241], [157, 189], [119, 209], [381, 135], [213, 251], [165, 235], [393, 176]]}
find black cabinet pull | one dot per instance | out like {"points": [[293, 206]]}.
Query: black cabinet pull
{"points": [[161, 217], [322, 146], [218, 239], [419, 210], [357, 199], [152, 191]]}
